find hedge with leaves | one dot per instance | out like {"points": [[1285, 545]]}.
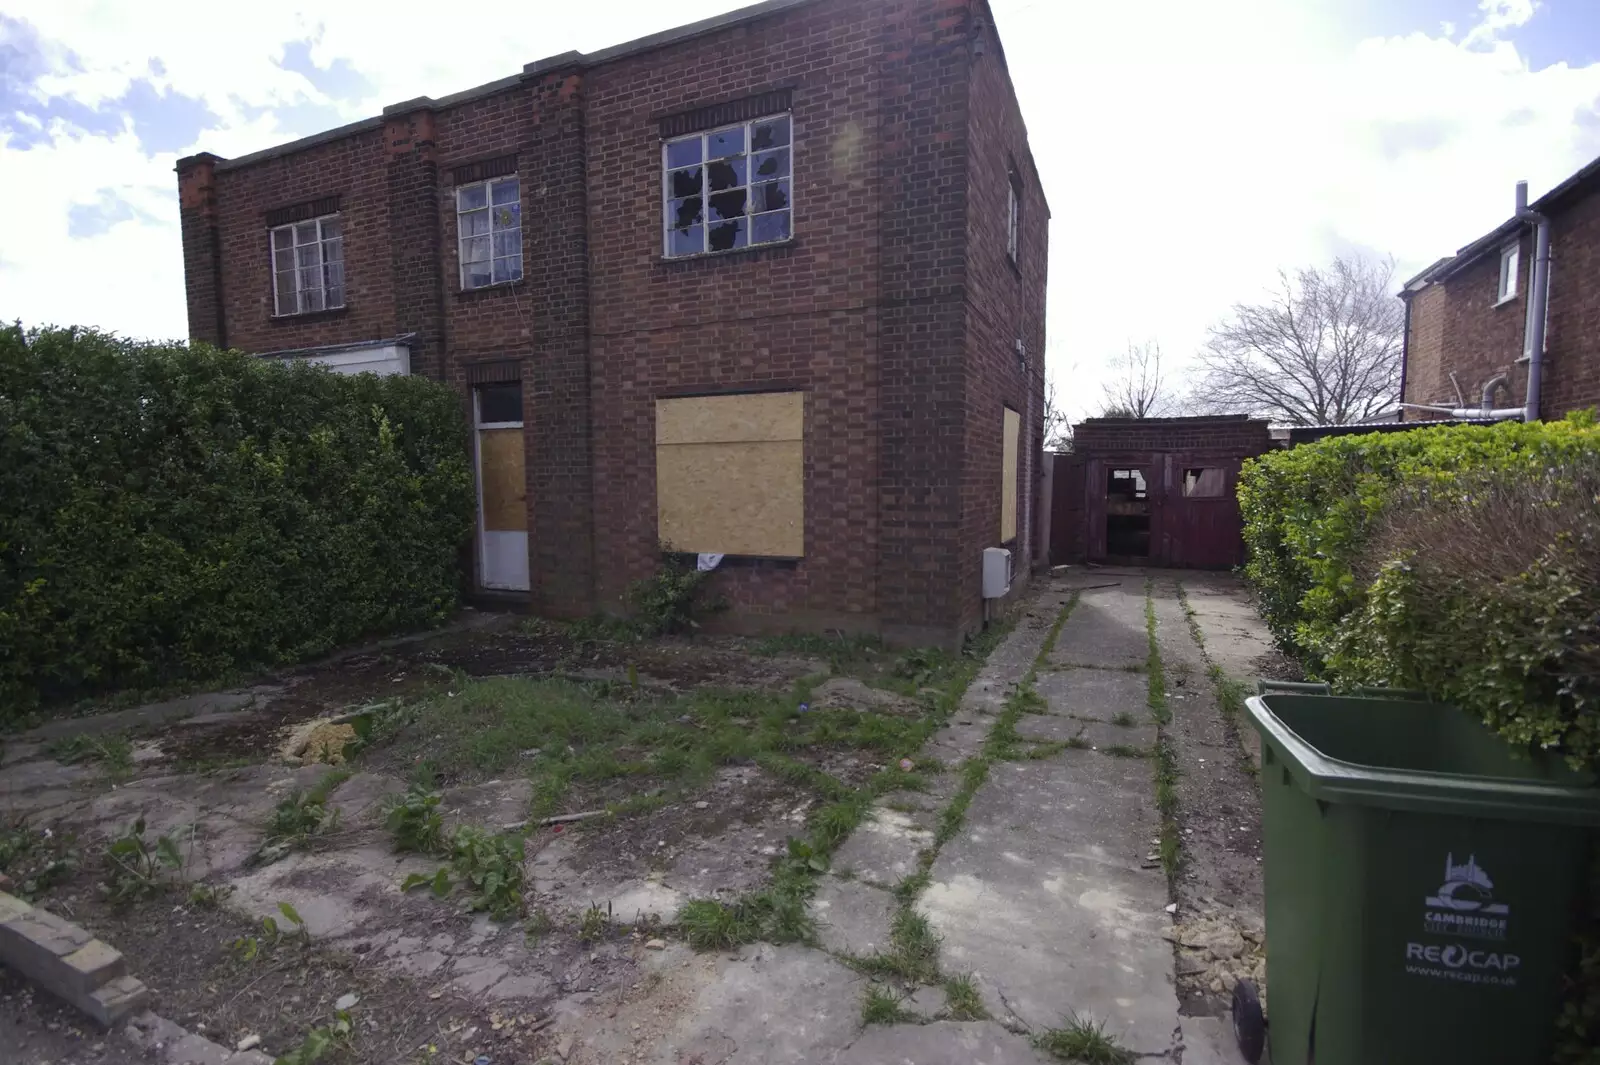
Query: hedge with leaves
{"points": [[1454, 559], [173, 513]]}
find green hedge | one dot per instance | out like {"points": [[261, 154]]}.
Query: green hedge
{"points": [[1455, 559], [172, 512]]}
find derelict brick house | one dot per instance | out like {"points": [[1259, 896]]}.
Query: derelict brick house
{"points": [[1469, 330], [771, 285]]}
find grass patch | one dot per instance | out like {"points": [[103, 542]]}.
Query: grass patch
{"points": [[114, 753], [913, 954], [35, 859], [1083, 1041], [1123, 719], [301, 818], [1123, 750], [777, 914], [881, 1006], [1166, 761], [1231, 694], [964, 1002]]}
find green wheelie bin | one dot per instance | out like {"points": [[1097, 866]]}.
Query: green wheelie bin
{"points": [[1423, 883]]}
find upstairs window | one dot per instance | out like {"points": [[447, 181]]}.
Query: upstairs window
{"points": [[727, 188], [307, 266], [1013, 217], [489, 227], [1510, 260]]}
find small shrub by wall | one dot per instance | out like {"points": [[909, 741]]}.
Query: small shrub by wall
{"points": [[173, 512]]}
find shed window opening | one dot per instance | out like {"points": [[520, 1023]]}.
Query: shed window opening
{"points": [[728, 188], [1205, 482], [489, 228], [308, 266]]}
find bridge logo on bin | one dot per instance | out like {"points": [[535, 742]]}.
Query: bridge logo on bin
{"points": [[1465, 904]]}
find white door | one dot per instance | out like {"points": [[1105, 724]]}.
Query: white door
{"points": [[502, 487]]}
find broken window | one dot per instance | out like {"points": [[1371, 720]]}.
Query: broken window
{"points": [[727, 188], [308, 266], [489, 227], [1205, 482], [1127, 514]]}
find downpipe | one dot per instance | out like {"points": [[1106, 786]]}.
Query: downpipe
{"points": [[1538, 301]]}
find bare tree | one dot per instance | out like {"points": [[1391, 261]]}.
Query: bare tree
{"points": [[1324, 349], [1057, 424], [1139, 388]]}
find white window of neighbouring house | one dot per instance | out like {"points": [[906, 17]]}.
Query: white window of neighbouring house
{"points": [[307, 266], [489, 227], [727, 188], [1013, 218], [1510, 258]]}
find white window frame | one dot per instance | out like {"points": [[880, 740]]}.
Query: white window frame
{"points": [[1013, 218], [705, 191], [1510, 265], [301, 298], [488, 186]]}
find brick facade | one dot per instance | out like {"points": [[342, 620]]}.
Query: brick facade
{"points": [[1458, 325], [894, 308]]}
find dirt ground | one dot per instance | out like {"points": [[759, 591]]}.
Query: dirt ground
{"points": [[716, 763]]}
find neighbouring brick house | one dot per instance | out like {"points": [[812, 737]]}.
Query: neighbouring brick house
{"points": [[1468, 314], [771, 285]]}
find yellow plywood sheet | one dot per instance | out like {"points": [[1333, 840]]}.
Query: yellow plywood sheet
{"points": [[1008, 477], [501, 480], [733, 499], [746, 418]]}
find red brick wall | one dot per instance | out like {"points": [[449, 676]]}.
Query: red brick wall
{"points": [[800, 316], [353, 167], [1457, 326], [1005, 303], [1102, 437], [1571, 378]]}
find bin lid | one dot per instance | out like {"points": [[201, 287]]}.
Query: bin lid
{"points": [[1419, 756]]}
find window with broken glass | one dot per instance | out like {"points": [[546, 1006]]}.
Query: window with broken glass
{"points": [[728, 188], [489, 226], [308, 266]]}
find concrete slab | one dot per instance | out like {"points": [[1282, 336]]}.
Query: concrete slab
{"points": [[1105, 630], [852, 917], [1094, 693], [1209, 1041], [884, 849], [1042, 895], [943, 1043], [1236, 637], [1048, 728]]}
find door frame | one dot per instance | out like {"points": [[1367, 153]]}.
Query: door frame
{"points": [[480, 534]]}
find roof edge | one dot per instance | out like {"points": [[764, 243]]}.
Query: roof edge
{"points": [[562, 61]]}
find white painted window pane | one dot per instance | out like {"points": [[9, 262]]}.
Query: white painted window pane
{"points": [[769, 133], [476, 275], [725, 142], [305, 233], [471, 197], [330, 229], [764, 166], [683, 152], [773, 196], [506, 191], [334, 273], [310, 291], [507, 216], [310, 255], [766, 228], [282, 238], [286, 293], [509, 243], [283, 260], [475, 250], [474, 223], [690, 241], [333, 251]]}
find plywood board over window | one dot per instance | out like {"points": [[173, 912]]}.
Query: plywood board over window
{"points": [[730, 474], [1008, 476]]}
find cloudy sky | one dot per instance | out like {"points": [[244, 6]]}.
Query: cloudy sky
{"points": [[1188, 149]]}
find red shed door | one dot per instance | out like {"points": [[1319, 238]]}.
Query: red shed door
{"points": [[1207, 530]]}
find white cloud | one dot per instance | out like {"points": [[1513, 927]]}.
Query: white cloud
{"points": [[1188, 150]]}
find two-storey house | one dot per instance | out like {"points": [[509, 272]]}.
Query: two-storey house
{"points": [[769, 287]]}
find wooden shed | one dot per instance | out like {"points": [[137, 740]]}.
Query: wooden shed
{"points": [[1153, 491]]}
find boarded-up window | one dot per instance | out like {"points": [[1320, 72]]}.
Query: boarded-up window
{"points": [[730, 474], [1205, 482], [1008, 477]]}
